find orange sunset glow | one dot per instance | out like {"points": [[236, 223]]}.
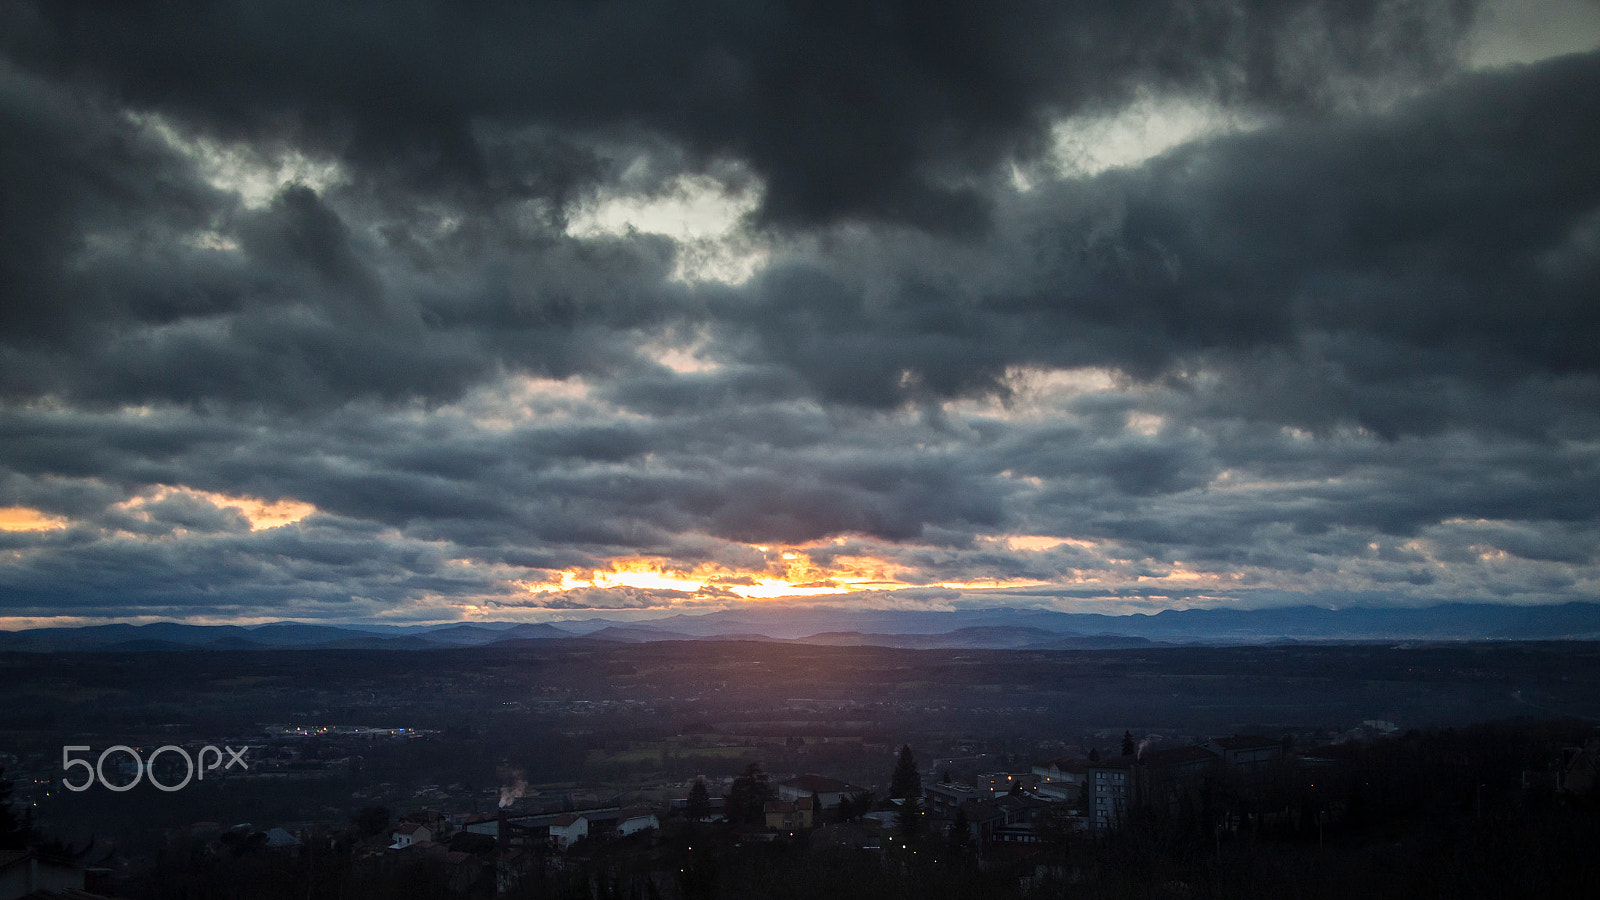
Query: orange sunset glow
{"points": [[808, 570], [21, 518], [260, 513], [791, 572]]}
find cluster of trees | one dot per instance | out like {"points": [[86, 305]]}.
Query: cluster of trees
{"points": [[747, 798], [15, 830]]}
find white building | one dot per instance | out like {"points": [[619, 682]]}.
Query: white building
{"points": [[408, 834], [636, 820], [827, 790], [566, 829]]}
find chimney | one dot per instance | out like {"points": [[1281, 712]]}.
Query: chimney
{"points": [[502, 833]]}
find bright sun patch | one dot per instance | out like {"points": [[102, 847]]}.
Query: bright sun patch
{"points": [[21, 518], [791, 572]]}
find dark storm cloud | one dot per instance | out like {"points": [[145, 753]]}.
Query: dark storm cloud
{"points": [[109, 297], [1408, 271], [1463, 222], [882, 112], [321, 572], [72, 170], [880, 109], [336, 255]]}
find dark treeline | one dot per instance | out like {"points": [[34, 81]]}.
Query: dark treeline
{"points": [[1454, 813]]}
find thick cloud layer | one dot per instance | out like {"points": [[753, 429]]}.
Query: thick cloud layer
{"points": [[446, 309]]}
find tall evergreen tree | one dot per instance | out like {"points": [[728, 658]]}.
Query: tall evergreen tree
{"points": [[909, 817], [748, 797], [853, 806], [1128, 745], [371, 820], [14, 829], [699, 801], [960, 829], [906, 781]]}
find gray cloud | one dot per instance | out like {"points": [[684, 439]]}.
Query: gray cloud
{"points": [[1345, 350], [880, 110]]}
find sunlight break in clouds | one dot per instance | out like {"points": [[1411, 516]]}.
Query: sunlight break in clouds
{"points": [[1039, 392], [260, 513], [256, 174], [1091, 144], [790, 573], [21, 518], [699, 212]]}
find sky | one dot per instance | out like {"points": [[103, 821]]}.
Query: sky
{"points": [[434, 311]]}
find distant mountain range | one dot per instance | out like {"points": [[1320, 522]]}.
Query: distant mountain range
{"points": [[272, 636], [999, 628]]}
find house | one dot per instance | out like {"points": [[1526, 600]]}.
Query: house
{"points": [[568, 828], [787, 815], [279, 839], [408, 834], [827, 790], [437, 823], [636, 819]]}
